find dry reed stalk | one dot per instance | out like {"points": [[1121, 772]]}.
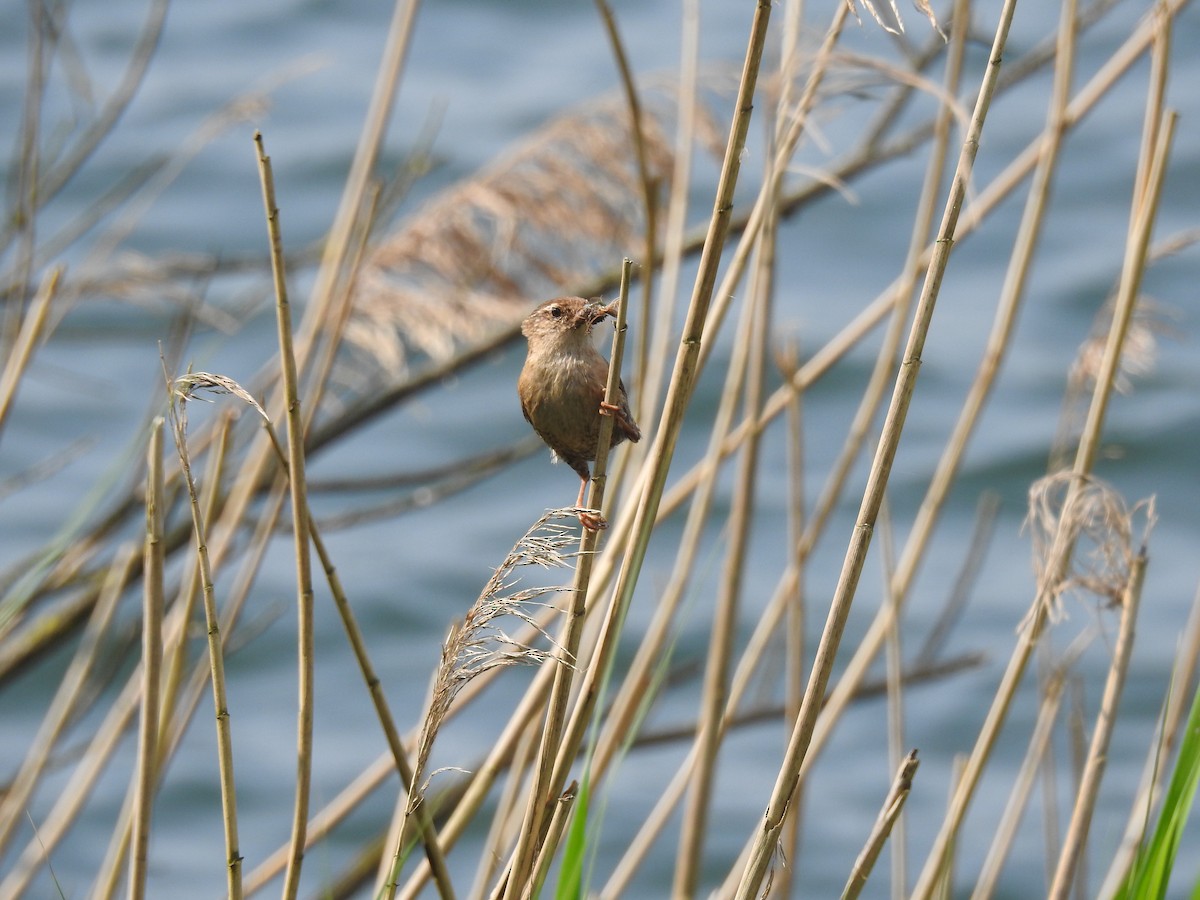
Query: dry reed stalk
{"points": [[25, 177], [894, 682], [639, 847], [905, 283], [648, 181], [884, 824], [108, 882], [374, 687], [796, 618], [767, 834], [1059, 555], [152, 648], [1093, 771], [299, 497], [638, 679], [20, 790], [30, 332], [998, 341], [175, 653], [678, 397], [366, 153], [964, 582], [502, 831], [100, 751], [478, 645], [55, 176], [561, 816], [1077, 737], [1151, 172], [714, 692], [1154, 773], [686, 104], [181, 390], [324, 821], [104, 743], [338, 316], [64, 813], [533, 841], [425, 825], [796, 120], [1023, 783], [102, 746]]}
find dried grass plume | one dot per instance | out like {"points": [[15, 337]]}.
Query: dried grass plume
{"points": [[1098, 524]]}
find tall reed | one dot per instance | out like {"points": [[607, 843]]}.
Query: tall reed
{"points": [[662, 609]]}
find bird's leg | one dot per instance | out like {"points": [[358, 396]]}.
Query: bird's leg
{"points": [[589, 519], [608, 409]]}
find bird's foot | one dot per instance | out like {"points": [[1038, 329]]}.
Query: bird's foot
{"points": [[608, 409], [591, 519]]}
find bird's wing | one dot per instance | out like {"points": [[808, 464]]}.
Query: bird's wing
{"points": [[624, 418]]}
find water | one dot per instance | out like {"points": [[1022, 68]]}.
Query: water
{"points": [[494, 71]]}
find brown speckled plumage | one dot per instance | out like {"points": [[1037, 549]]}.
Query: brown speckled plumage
{"points": [[562, 385]]}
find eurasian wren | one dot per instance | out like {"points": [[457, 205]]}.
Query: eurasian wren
{"points": [[562, 388]]}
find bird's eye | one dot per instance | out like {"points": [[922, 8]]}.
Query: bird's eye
{"points": [[556, 311]]}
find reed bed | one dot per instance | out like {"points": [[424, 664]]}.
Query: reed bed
{"points": [[161, 571]]}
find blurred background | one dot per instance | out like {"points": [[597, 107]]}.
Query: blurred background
{"points": [[483, 75]]}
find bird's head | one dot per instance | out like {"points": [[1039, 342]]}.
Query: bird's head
{"points": [[565, 320]]}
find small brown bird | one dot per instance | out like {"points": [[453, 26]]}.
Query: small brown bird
{"points": [[562, 388]]}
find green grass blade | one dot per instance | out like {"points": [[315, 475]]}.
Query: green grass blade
{"points": [[1152, 872], [570, 877]]}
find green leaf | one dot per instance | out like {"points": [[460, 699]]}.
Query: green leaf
{"points": [[570, 877], [1156, 859]]}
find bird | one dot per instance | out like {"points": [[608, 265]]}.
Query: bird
{"points": [[562, 386]]}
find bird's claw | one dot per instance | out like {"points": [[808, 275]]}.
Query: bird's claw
{"points": [[591, 519]]}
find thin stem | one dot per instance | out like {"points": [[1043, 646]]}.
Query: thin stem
{"points": [[63, 706], [304, 587], [1093, 771], [358, 180], [767, 835], [216, 658], [646, 181], [678, 396], [677, 211], [544, 793], [1018, 798], [892, 807], [715, 690], [1062, 548], [152, 622], [29, 334]]}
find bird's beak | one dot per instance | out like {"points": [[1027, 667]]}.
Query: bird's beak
{"points": [[595, 313]]}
